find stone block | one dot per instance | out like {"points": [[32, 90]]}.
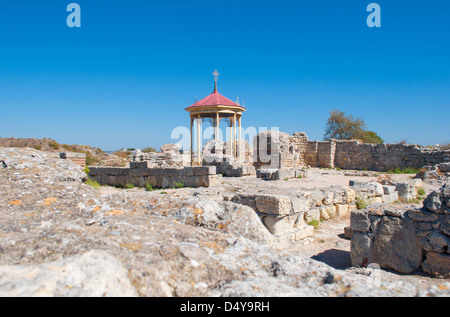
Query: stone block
{"points": [[280, 225], [388, 190], [317, 198], [342, 210], [328, 197], [359, 221], [312, 215], [437, 264], [348, 232], [303, 232], [435, 241], [299, 205], [361, 249], [433, 203], [143, 164], [273, 204], [422, 215], [395, 246]]}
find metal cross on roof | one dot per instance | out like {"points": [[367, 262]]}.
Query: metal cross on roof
{"points": [[216, 74]]}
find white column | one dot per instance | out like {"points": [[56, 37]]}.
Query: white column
{"points": [[234, 137], [217, 126], [240, 143], [199, 140]]}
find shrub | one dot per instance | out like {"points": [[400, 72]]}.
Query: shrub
{"points": [[315, 223], [149, 187], [68, 148], [38, 147], [421, 191], [93, 183], [129, 186], [178, 184], [361, 203], [86, 170], [300, 176], [54, 145], [404, 170], [148, 149]]}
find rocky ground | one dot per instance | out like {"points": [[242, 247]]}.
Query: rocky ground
{"points": [[61, 237], [94, 156]]}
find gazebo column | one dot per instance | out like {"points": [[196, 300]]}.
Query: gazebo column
{"points": [[234, 137], [199, 140], [192, 142], [217, 126], [231, 137], [240, 139]]}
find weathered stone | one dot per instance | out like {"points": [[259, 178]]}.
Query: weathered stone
{"points": [[361, 249], [303, 232], [422, 215], [348, 232], [342, 210], [273, 204], [312, 215], [405, 191], [433, 202], [359, 221], [317, 198], [93, 274], [395, 246], [436, 241], [368, 190], [437, 264], [280, 225], [328, 197]]}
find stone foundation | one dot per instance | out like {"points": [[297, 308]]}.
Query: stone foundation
{"points": [[289, 217], [77, 158], [140, 175]]}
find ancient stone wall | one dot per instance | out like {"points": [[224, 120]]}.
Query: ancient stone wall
{"points": [[170, 156], [77, 158], [384, 157], [289, 217], [404, 239], [279, 150], [140, 175]]}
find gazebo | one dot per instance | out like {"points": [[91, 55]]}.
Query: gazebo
{"points": [[218, 108]]}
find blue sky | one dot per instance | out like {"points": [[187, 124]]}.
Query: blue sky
{"points": [[124, 78]]}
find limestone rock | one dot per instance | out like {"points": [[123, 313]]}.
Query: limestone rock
{"points": [[93, 274]]}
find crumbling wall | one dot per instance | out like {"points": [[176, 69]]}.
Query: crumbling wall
{"points": [[384, 157], [170, 156], [140, 175], [289, 217], [404, 239], [77, 158], [275, 149]]}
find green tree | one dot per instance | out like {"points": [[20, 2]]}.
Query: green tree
{"points": [[347, 127], [148, 149]]}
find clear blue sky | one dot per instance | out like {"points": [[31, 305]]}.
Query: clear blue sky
{"points": [[124, 78]]}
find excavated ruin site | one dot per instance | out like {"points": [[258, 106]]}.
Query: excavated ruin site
{"points": [[290, 217]]}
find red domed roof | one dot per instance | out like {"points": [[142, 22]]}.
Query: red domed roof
{"points": [[215, 99]]}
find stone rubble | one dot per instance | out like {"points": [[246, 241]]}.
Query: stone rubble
{"points": [[75, 241]]}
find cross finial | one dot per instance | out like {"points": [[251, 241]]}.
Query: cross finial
{"points": [[216, 75]]}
